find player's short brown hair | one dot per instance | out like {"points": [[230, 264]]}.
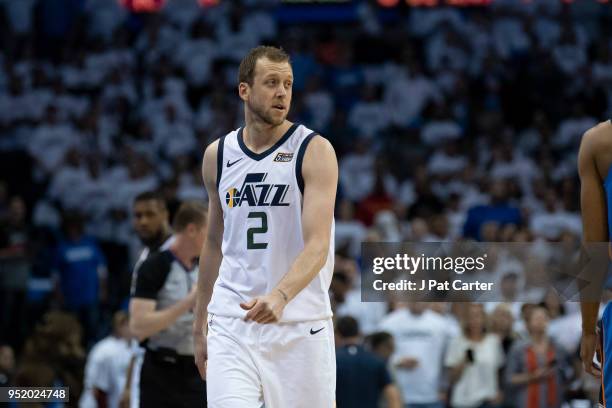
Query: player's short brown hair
{"points": [[190, 212], [246, 72]]}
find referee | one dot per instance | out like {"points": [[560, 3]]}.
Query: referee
{"points": [[162, 317]]}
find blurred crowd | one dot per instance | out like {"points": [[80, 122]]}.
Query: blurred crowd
{"points": [[449, 124]]}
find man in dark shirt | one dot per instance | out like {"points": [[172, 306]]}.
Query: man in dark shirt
{"points": [[362, 377]]}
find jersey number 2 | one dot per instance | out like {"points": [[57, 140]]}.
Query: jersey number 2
{"points": [[251, 244]]}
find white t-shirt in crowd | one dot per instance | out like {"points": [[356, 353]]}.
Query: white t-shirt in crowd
{"points": [[106, 369], [439, 131], [369, 118], [423, 337], [479, 380], [367, 314]]}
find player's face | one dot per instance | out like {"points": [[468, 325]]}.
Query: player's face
{"points": [[150, 219], [269, 97]]}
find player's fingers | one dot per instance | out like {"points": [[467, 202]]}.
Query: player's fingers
{"points": [[254, 311], [266, 317], [267, 320], [261, 314], [249, 305]]}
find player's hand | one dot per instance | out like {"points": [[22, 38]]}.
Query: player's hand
{"points": [[588, 347], [408, 363], [200, 352], [265, 309]]}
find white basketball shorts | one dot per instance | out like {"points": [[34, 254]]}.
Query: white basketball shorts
{"points": [[278, 365]]}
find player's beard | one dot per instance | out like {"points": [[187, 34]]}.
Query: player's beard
{"points": [[264, 116]]}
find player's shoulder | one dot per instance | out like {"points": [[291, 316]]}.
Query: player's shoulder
{"points": [[318, 148], [598, 136], [318, 141], [213, 147], [210, 152]]}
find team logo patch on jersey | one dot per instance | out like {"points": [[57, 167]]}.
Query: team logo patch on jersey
{"points": [[254, 192], [283, 157]]}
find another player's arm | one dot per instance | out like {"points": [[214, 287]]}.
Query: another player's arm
{"points": [[320, 174], [594, 221], [210, 256], [145, 320]]}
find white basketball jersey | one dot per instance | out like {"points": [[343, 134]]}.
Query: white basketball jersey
{"points": [[261, 198]]}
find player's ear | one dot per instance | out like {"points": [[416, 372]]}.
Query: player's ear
{"points": [[243, 91]]}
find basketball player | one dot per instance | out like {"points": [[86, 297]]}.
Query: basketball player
{"points": [[594, 165], [267, 263]]}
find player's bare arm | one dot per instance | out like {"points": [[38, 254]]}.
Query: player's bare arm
{"points": [[591, 170], [210, 256], [320, 173], [145, 321]]}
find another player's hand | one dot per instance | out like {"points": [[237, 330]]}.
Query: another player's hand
{"points": [[588, 347], [200, 352], [265, 309]]}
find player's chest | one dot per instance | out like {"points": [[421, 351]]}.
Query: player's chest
{"points": [[259, 184]]}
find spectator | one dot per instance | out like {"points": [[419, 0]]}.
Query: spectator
{"points": [[7, 365], [499, 210], [54, 356], [421, 338], [535, 367], [80, 271], [381, 344], [501, 324], [15, 267], [106, 368], [361, 377], [474, 360]]}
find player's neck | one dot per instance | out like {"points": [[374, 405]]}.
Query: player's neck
{"points": [[259, 136]]}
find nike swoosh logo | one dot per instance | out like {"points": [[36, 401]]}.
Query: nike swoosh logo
{"points": [[316, 331], [231, 164]]}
